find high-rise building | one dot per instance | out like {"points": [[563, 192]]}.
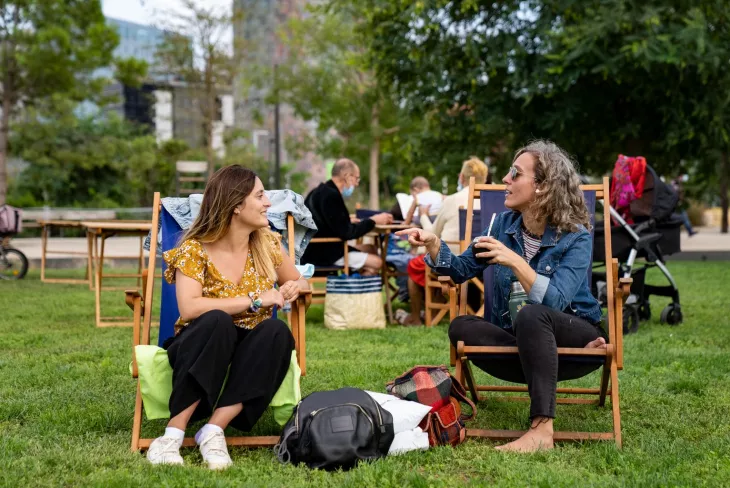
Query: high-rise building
{"points": [[167, 106], [256, 34], [135, 41]]}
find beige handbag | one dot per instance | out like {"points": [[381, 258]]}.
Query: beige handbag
{"points": [[354, 302]]}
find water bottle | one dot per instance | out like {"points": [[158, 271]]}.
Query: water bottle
{"points": [[517, 299]]}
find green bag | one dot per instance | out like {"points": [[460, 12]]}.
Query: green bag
{"points": [[155, 379]]}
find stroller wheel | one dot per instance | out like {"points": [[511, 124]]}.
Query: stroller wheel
{"points": [[672, 314], [631, 319], [645, 310]]}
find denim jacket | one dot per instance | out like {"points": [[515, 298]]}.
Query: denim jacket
{"points": [[561, 265]]}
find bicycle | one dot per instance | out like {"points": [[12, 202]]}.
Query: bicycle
{"points": [[13, 263]]}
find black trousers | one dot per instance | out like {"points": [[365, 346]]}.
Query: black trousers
{"points": [[538, 332], [256, 362]]}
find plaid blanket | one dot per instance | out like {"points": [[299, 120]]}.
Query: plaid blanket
{"points": [[428, 385]]}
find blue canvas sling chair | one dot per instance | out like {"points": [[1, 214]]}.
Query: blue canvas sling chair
{"points": [[141, 304], [492, 201]]}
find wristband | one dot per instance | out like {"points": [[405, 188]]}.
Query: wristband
{"points": [[255, 302]]}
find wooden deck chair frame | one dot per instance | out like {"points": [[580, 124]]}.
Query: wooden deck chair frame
{"points": [[436, 308], [617, 291], [436, 287], [141, 305]]}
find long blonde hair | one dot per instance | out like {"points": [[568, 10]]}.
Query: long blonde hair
{"points": [[227, 189], [560, 201]]}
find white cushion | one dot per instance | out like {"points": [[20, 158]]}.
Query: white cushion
{"points": [[406, 414]]}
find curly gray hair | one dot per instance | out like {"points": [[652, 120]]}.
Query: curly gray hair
{"points": [[560, 200]]}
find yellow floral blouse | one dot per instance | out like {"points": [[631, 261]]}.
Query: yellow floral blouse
{"points": [[192, 259]]}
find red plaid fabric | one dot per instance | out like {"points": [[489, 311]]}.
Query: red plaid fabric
{"points": [[428, 385], [434, 386]]}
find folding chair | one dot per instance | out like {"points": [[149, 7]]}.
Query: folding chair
{"points": [[190, 177], [435, 287], [142, 310], [611, 358]]}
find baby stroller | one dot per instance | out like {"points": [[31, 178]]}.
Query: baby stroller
{"points": [[653, 235]]}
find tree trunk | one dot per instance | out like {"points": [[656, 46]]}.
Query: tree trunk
{"points": [[4, 132], [724, 177], [8, 84], [374, 159]]}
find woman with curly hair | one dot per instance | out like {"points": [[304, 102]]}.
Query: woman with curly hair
{"points": [[542, 241]]}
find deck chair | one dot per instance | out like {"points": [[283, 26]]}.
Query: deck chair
{"points": [[476, 230], [611, 359], [436, 288], [141, 305]]}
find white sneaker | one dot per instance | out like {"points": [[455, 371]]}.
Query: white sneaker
{"points": [[165, 450], [214, 451]]}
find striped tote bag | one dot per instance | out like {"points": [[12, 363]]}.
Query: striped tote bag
{"points": [[354, 302]]}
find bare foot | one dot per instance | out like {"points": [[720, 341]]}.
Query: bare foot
{"points": [[538, 438], [599, 343]]}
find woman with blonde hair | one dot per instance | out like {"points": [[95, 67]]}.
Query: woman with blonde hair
{"points": [[225, 269], [543, 242]]}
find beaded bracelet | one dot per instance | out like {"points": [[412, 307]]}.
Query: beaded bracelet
{"points": [[255, 302]]}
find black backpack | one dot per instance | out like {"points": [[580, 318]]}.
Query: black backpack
{"points": [[336, 429]]}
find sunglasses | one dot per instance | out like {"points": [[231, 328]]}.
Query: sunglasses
{"points": [[514, 173]]}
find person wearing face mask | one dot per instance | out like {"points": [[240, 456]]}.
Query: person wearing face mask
{"points": [[327, 204], [542, 241], [446, 227]]}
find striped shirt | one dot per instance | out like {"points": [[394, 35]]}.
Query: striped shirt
{"points": [[532, 244]]}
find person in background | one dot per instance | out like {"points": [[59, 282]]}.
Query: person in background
{"points": [[327, 204], [421, 195], [446, 227]]}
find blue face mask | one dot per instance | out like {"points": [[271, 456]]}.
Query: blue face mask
{"points": [[459, 186], [347, 192]]}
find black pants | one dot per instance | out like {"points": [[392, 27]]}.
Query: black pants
{"points": [[538, 332], [202, 353]]}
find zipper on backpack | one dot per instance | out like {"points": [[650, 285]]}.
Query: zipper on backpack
{"points": [[380, 418], [367, 416]]}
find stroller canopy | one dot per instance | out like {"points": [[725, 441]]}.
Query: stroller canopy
{"points": [[638, 194]]}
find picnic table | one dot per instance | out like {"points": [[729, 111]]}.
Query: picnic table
{"points": [[97, 233], [47, 225]]}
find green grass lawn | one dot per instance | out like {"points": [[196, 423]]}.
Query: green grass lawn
{"points": [[66, 402]]}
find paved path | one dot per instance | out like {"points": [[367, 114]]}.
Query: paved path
{"points": [[708, 243], [114, 247]]}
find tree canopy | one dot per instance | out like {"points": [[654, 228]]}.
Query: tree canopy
{"points": [[598, 77], [50, 47]]}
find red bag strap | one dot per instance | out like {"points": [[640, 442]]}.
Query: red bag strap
{"points": [[458, 392]]}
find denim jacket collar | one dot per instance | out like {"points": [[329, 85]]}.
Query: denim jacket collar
{"points": [[549, 238]]}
